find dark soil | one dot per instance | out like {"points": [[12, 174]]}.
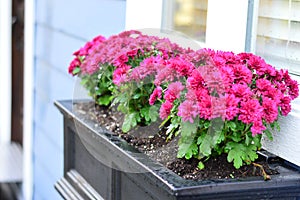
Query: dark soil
{"points": [[164, 151]]}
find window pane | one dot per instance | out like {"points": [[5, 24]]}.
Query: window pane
{"points": [[278, 33], [186, 16]]}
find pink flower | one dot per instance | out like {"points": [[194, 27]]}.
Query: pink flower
{"points": [[218, 107], [148, 66], [260, 66], [89, 46], [285, 105], [227, 76], [181, 66], [75, 63], [250, 111], [257, 128], [205, 107], [242, 74], [173, 91], [119, 75], [120, 61], [231, 106], [165, 109], [270, 110], [266, 88], [241, 91], [156, 94], [195, 80], [188, 110], [164, 74], [132, 53]]}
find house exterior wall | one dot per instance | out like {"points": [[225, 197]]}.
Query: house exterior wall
{"points": [[61, 27]]}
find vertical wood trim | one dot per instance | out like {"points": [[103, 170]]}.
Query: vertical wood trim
{"points": [[29, 28], [17, 71], [5, 75]]}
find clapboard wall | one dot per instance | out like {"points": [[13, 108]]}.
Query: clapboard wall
{"points": [[61, 28]]}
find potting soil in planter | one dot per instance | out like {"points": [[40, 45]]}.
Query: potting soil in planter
{"points": [[164, 151]]}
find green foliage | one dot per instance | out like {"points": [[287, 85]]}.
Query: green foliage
{"points": [[187, 144], [99, 85], [201, 165], [240, 153], [130, 121], [132, 100], [205, 138]]}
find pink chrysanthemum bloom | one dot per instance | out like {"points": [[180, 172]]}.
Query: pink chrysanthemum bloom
{"points": [[156, 94], [242, 74], [266, 89], [188, 110], [181, 66], [195, 80], [148, 66], [120, 74], [74, 63], [231, 106], [285, 105], [270, 113], [218, 107], [260, 66], [241, 92], [165, 110], [173, 91], [120, 60], [257, 128], [205, 106], [250, 111]]}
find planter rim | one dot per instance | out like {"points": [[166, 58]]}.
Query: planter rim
{"points": [[289, 177]]}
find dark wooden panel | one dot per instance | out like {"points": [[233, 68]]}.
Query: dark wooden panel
{"points": [[17, 70]]}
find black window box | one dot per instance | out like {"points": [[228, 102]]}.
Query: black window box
{"points": [[99, 165]]}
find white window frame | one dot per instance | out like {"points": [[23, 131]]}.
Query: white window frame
{"points": [[286, 142], [29, 29], [5, 75]]}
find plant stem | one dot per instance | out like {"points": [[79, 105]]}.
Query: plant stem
{"points": [[265, 175]]}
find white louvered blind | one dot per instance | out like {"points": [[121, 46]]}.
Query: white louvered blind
{"points": [[278, 33]]}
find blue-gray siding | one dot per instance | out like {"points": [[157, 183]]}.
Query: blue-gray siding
{"points": [[62, 26]]}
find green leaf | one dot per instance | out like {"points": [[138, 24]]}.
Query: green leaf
{"points": [[247, 140], [277, 126], [240, 126], [269, 134], [257, 141], [84, 81], [76, 70], [240, 153], [200, 165], [232, 125], [137, 95], [206, 124], [153, 113], [188, 129], [145, 113], [236, 136], [187, 150], [250, 151], [129, 122], [206, 145], [187, 146], [221, 137], [105, 100], [235, 155]]}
